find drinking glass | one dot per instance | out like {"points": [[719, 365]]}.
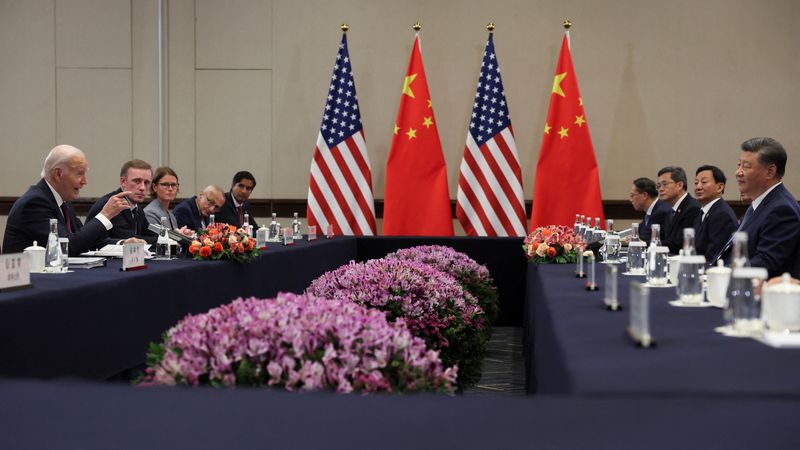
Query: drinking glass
{"points": [[657, 268], [636, 257]]}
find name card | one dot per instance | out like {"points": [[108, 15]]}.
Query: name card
{"points": [[15, 272], [591, 283], [329, 232], [133, 256], [288, 237], [312, 232], [639, 322], [610, 294]]}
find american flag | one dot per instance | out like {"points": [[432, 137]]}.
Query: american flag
{"points": [[490, 198], [340, 189]]}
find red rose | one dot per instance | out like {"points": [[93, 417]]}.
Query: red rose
{"points": [[551, 252], [217, 248], [205, 251]]}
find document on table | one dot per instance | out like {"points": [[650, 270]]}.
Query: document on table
{"points": [[111, 251]]}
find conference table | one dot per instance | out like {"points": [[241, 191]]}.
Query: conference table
{"points": [[575, 345], [591, 386], [97, 323]]}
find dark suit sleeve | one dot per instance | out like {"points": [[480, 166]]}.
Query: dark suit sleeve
{"points": [[183, 216], [35, 217], [777, 240], [721, 225]]}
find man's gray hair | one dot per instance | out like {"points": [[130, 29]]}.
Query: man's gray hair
{"points": [[59, 157]]}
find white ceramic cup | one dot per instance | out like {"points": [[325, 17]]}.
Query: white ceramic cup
{"points": [[781, 308], [717, 287], [36, 257]]}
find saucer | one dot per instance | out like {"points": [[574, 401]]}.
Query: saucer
{"points": [[659, 286], [681, 304]]}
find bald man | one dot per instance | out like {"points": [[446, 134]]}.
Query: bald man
{"points": [[193, 212], [63, 177]]}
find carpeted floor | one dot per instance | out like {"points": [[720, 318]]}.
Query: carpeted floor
{"points": [[504, 366]]}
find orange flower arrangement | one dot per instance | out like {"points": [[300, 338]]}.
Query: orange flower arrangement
{"points": [[223, 241], [552, 244]]}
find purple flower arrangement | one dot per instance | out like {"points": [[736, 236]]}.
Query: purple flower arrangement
{"points": [[473, 277], [304, 342], [432, 303]]}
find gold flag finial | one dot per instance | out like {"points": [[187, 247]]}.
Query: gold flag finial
{"points": [[417, 26], [345, 27], [567, 24], [490, 27]]}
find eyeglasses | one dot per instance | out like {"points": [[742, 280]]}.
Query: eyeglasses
{"points": [[664, 184], [169, 185]]}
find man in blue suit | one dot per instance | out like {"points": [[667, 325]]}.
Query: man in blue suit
{"points": [[63, 176], [644, 198], [134, 177], [236, 201], [772, 222], [193, 213], [717, 221], [672, 189]]}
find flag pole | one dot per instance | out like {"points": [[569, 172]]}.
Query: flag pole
{"points": [[345, 27], [567, 26]]}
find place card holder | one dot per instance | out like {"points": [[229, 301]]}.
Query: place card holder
{"points": [[15, 271], [610, 297], [579, 272], [132, 257], [639, 322], [312, 232], [591, 283], [288, 237]]}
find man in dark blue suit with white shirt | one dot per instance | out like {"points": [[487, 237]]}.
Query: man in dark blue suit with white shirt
{"points": [[717, 221], [672, 188], [772, 221], [63, 176], [644, 198]]}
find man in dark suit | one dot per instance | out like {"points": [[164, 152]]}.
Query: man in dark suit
{"points": [[772, 222], [236, 200], [135, 177], [672, 184], [63, 176], [644, 198], [717, 221], [194, 212]]}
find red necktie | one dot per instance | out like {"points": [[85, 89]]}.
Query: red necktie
{"points": [[65, 211]]}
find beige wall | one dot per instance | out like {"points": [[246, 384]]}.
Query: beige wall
{"points": [[664, 81]]}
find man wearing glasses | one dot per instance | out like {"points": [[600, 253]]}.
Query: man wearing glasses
{"points": [[685, 209], [135, 177], [236, 201], [644, 198], [194, 212]]}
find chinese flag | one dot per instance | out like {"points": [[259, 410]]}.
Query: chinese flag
{"points": [[567, 180], [416, 199]]}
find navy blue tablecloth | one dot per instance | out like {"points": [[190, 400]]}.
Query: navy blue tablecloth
{"points": [[95, 323], [575, 346], [40, 415]]}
